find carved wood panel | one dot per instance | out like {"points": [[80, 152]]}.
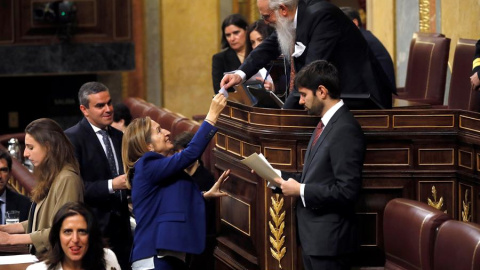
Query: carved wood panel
{"points": [[432, 156], [96, 21]]}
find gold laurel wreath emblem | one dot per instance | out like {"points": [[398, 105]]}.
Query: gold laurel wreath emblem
{"points": [[436, 204], [466, 217], [277, 239]]}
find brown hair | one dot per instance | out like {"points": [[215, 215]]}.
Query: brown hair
{"points": [[59, 153]]}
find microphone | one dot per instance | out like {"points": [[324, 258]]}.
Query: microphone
{"points": [[266, 75]]}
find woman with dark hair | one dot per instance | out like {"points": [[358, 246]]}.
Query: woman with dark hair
{"points": [[256, 33], [56, 172], [76, 242], [168, 206], [234, 48]]}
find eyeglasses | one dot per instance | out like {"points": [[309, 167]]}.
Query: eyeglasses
{"points": [[4, 170], [266, 17]]}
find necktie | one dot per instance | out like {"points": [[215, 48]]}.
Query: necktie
{"points": [[318, 132], [108, 147], [292, 74], [292, 66]]}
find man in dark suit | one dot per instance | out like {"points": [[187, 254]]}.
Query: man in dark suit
{"points": [[331, 180], [378, 50], [9, 199], [105, 186], [319, 30]]}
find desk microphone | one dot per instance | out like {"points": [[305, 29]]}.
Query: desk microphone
{"points": [[266, 75]]}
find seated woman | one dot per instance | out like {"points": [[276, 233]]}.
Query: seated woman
{"points": [[76, 242], [168, 206], [58, 181]]}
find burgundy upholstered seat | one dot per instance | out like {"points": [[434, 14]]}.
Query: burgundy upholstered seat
{"points": [[427, 68], [457, 246], [461, 95], [409, 229]]}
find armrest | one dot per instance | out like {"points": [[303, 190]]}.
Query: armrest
{"points": [[199, 117]]}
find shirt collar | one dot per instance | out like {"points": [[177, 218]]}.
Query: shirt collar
{"points": [[95, 128], [3, 197], [328, 115]]}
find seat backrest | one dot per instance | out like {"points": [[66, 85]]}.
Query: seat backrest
{"points": [[409, 230], [461, 95], [427, 67], [457, 246], [137, 106]]}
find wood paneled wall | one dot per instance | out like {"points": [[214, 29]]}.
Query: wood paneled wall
{"points": [[97, 21]]}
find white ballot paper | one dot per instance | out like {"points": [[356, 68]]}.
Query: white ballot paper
{"points": [[224, 92], [15, 259], [262, 167]]}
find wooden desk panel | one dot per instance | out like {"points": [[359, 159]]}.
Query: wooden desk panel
{"points": [[14, 250], [430, 155], [18, 266]]}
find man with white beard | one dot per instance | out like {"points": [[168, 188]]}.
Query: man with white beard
{"points": [[321, 31]]}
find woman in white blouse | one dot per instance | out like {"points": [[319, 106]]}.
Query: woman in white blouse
{"points": [[76, 242]]}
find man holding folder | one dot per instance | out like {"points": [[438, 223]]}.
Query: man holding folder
{"points": [[331, 181]]}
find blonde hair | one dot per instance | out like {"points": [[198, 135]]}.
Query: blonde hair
{"points": [[135, 142]]}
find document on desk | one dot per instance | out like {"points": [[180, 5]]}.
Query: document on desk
{"points": [[15, 259], [262, 167]]}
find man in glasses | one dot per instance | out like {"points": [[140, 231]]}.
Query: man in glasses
{"points": [[9, 199], [308, 30]]}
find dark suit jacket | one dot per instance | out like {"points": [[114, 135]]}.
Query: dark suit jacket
{"points": [[16, 201], [328, 34], [224, 61], [95, 173], [332, 175], [168, 206], [381, 53]]}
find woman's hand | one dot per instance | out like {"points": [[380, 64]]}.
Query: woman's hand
{"points": [[215, 191], [268, 85], [13, 228], [217, 105], [4, 238]]}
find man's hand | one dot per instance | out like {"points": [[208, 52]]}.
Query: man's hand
{"points": [[290, 187], [474, 80], [120, 182], [230, 80]]}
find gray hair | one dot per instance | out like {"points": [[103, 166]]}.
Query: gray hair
{"points": [[275, 4], [87, 89]]}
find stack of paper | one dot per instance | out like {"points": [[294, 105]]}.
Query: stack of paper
{"points": [[262, 167]]}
